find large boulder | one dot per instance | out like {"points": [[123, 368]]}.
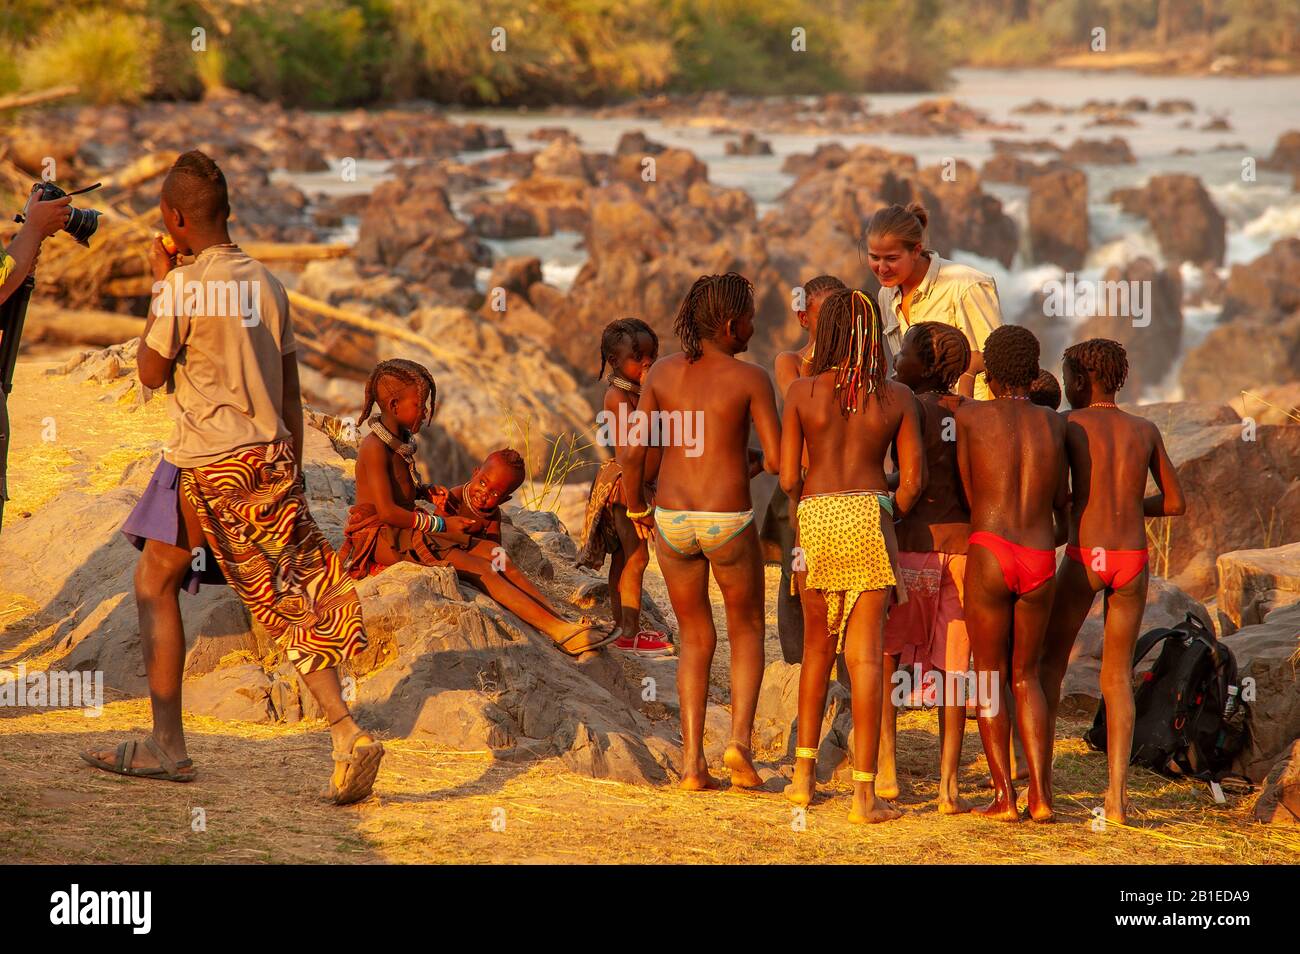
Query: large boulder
{"points": [[562, 157], [1184, 219], [1107, 152], [1267, 288], [1253, 583], [966, 216], [409, 229], [557, 203], [1265, 655], [1240, 484], [1012, 168], [1248, 354], [1275, 404], [1058, 217], [1286, 153], [1279, 801]]}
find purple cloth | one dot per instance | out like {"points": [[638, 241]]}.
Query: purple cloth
{"points": [[157, 516]]}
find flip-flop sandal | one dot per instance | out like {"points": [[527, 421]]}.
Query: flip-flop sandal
{"points": [[166, 770], [363, 765], [563, 644]]}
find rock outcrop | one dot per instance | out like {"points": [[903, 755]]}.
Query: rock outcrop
{"points": [[1186, 223], [1254, 583], [1279, 801], [1153, 339], [1265, 655], [1240, 484]]}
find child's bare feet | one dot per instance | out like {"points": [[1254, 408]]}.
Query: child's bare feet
{"points": [[740, 760], [1117, 809], [1002, 808], [953, 806], [888, 786], [696, 778], [868, 808], [950, 802], [802, 787], [1040, 810]]}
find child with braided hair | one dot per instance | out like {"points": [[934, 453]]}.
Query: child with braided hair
{"points": [[703, 514], [777, 526], [463, 530], [628, 346], [928, 632], [1110, 453], [846, 414]]}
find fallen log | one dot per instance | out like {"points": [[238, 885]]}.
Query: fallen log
{"points": [[20, 100], [142, 170], [364, 323], [50, 324]]}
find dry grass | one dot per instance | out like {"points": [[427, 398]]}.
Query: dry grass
{"points": [[87, 445], [257, 788]]}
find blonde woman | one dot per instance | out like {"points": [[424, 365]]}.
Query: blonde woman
{"points": [[916, 285]]}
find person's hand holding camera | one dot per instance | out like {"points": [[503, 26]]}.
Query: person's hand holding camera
{"points": [[45, 217], [41, 219]]}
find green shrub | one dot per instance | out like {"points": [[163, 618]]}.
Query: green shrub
{"points": [[1022, 44], [750, 48], [107, 54], [315, 54]]}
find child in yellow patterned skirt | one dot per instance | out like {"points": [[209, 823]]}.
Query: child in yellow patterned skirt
{"points": [[847, 414]]}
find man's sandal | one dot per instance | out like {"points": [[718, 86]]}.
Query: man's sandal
{"points": [[166, 769], [563, 644], [363, 765]]}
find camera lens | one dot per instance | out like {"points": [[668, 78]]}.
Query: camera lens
{"points": [[82, 224]]}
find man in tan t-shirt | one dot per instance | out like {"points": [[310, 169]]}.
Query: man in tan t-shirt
{"points": [[229, 487]]}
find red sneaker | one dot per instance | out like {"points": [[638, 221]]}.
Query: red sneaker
{"points": [[645, 643]]}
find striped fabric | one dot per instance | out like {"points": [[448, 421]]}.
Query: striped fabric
{"points": [[255, 519], [693, 531]]}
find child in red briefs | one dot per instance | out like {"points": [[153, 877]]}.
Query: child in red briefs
{"points": [[928, 632], [1110, 454]]}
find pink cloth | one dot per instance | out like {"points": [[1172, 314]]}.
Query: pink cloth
{"points": [[930, 628]]}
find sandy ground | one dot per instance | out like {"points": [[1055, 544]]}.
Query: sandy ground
{"points": [[256, 796]]}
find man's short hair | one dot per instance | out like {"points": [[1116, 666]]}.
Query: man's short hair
{"points": [[197, 187], [1011, 356]]}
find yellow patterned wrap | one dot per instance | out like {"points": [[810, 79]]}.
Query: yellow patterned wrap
{"points": [[845, 551]]}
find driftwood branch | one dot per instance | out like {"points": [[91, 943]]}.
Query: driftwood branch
{"points": [[19, 100]]}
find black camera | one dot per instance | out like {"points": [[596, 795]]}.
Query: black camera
{"points": [[81, 222]]}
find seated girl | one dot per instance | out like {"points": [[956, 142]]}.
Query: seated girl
{"points": [[463, 528]]}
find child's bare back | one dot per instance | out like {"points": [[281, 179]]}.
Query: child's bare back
{"points": [[1012, 457], [1111, 453], [703, 411], [848, 452]]}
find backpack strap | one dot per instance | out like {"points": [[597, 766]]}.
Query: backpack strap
{"points": [[1149, 640]]}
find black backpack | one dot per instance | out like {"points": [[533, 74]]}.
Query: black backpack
{"points": [[1180, 727]]}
